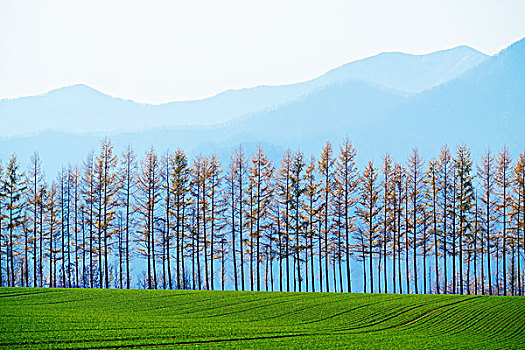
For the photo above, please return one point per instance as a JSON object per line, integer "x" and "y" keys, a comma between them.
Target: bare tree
{"x": 369, "y": 211}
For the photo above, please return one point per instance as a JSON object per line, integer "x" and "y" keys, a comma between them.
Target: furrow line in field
{"x": 419, "y": 317}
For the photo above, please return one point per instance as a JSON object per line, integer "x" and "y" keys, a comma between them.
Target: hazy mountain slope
{"x": 408, "y": 73}
{"x": 483, "y": 107}
{"x": 338, "y": 107}
{"x": 81, "y": 109}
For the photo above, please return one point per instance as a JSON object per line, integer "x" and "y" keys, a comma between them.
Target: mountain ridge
{"x": 83, "y": 109}
{"x": 482, "y": 107}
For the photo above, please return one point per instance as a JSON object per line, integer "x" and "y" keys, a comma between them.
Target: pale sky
{"x": 158, "y": 51}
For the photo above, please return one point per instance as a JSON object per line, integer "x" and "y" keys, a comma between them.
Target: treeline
{"x": 437, "y": 226}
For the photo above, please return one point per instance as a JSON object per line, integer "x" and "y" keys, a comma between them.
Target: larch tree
{"x": 297, "y": 218}
{"x": 416, "y": 184}
{"x": 486, "y": 175}
{"x": 74, "y": 180}
{"x": 519, "y": 181}
{"x": 109, "y": 187}
{"x": 35, "y": 181}
{"x": 230, "y": 203}
{"x": 284, "y": 198}
{"x": 63, "y": 181}
{"x": 432, "y": 194}
{"x": 53, "y": 229}
{"x": 2, "y": 215}
{"x": 15, "y": 187}
{"x": 445, "y": 202}
{"x": 504, "y": 182}
{"x": 198, "y": 180}
{"x": 128, "y": 173}
{"x": 239, "y": 164}
{"x": 424, "y": 239}
{"x": 180, "y": 178}
{"x": 397, "y": 198}
{"x": 260, "y": 177}
{"x": 337, "y": 236}
{"x": 42, "y": 204}
{"x": 347, "y": 176}
{"x": 311, "y": 210}
{"x": 326, "y": 172}
{"x": 369, "y": 212}
{"x": 167, "y": 223}
{"x": 388, "y": 215}
{"x": 464, "y": 201}
{"x": 42, "y": 195}
{"x": 216, "y": 212}
{"x": 89, "y": 192}
{"x": 149, "y": 194}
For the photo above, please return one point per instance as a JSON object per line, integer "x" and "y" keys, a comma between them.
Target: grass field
{"x": 94, "y": 319}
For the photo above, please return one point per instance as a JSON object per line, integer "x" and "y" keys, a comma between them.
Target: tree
{"x": 166, "y": 254}
{"x": 74, "y": 177}
{"x": 486, "y": 174}
{"x": 35, "y": 181}
{"x": 398, "y": 198}
{"x": 446, "y": 203}
{"x": 368, "y": 210}
{"x": 128, "y": 173}
{"x": 230, "y": 202}
{"x": 2, "y": 216}
{"x": 504, "y": 182}
{"x": 326, "y": 164}
{"x": 416, "y": 192}
{"x": 519, "y": 175}
{"x": 260, "y": 177}
{"x": 388, "y": 214}
{"x": 179, "y": 175}
{"x": 109, "y": 187}
{"x": 63, "y": 181}
{"x": 312, "y": 209}
{"x": 15, "y": 187}
{"x": 465, "y": 200}
{"x": 197, "y": 185}
{"x": 42, "y": 204}
{"x": 347, "y": 176}
{"x": 216, "y": 211}
{"x": 284, "y": 198}
{"x": 239, "y": 168}
{"x": 89, "y": 191}
{"x": 52, "y": 225}
{"x": 149, "y": 194}
{"x": 297, "y": 190}
{"x": 432, "y": 194}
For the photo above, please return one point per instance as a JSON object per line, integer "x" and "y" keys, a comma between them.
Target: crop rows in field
{"x": 78, "y": 318}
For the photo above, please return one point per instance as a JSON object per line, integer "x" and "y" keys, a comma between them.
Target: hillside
{"x": 89, "y": 319}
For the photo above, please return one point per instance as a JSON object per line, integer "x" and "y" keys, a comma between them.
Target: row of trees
{"x": 442, "y": 226}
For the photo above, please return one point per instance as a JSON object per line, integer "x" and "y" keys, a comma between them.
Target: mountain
{"x": 483, "y": 107}
{"x": 81, "y": 109}
{"x": 408, "y": 73}
{"x": 293, "y": 125}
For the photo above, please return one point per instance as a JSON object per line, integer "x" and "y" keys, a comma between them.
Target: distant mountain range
{"x": 81, "y": 109}
{"x": 387, "y": 103}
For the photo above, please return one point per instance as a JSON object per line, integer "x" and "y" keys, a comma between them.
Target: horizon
{"x": 175, "y": 51}
{"x": 87, "y": 85}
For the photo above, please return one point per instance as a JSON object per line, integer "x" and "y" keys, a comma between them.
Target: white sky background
{"x": 159, "y": 51}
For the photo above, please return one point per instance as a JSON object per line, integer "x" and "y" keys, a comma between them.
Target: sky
{"x": 159, "y": 51}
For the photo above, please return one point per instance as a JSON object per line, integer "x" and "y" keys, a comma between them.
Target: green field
{"x": 94, "y": 319}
